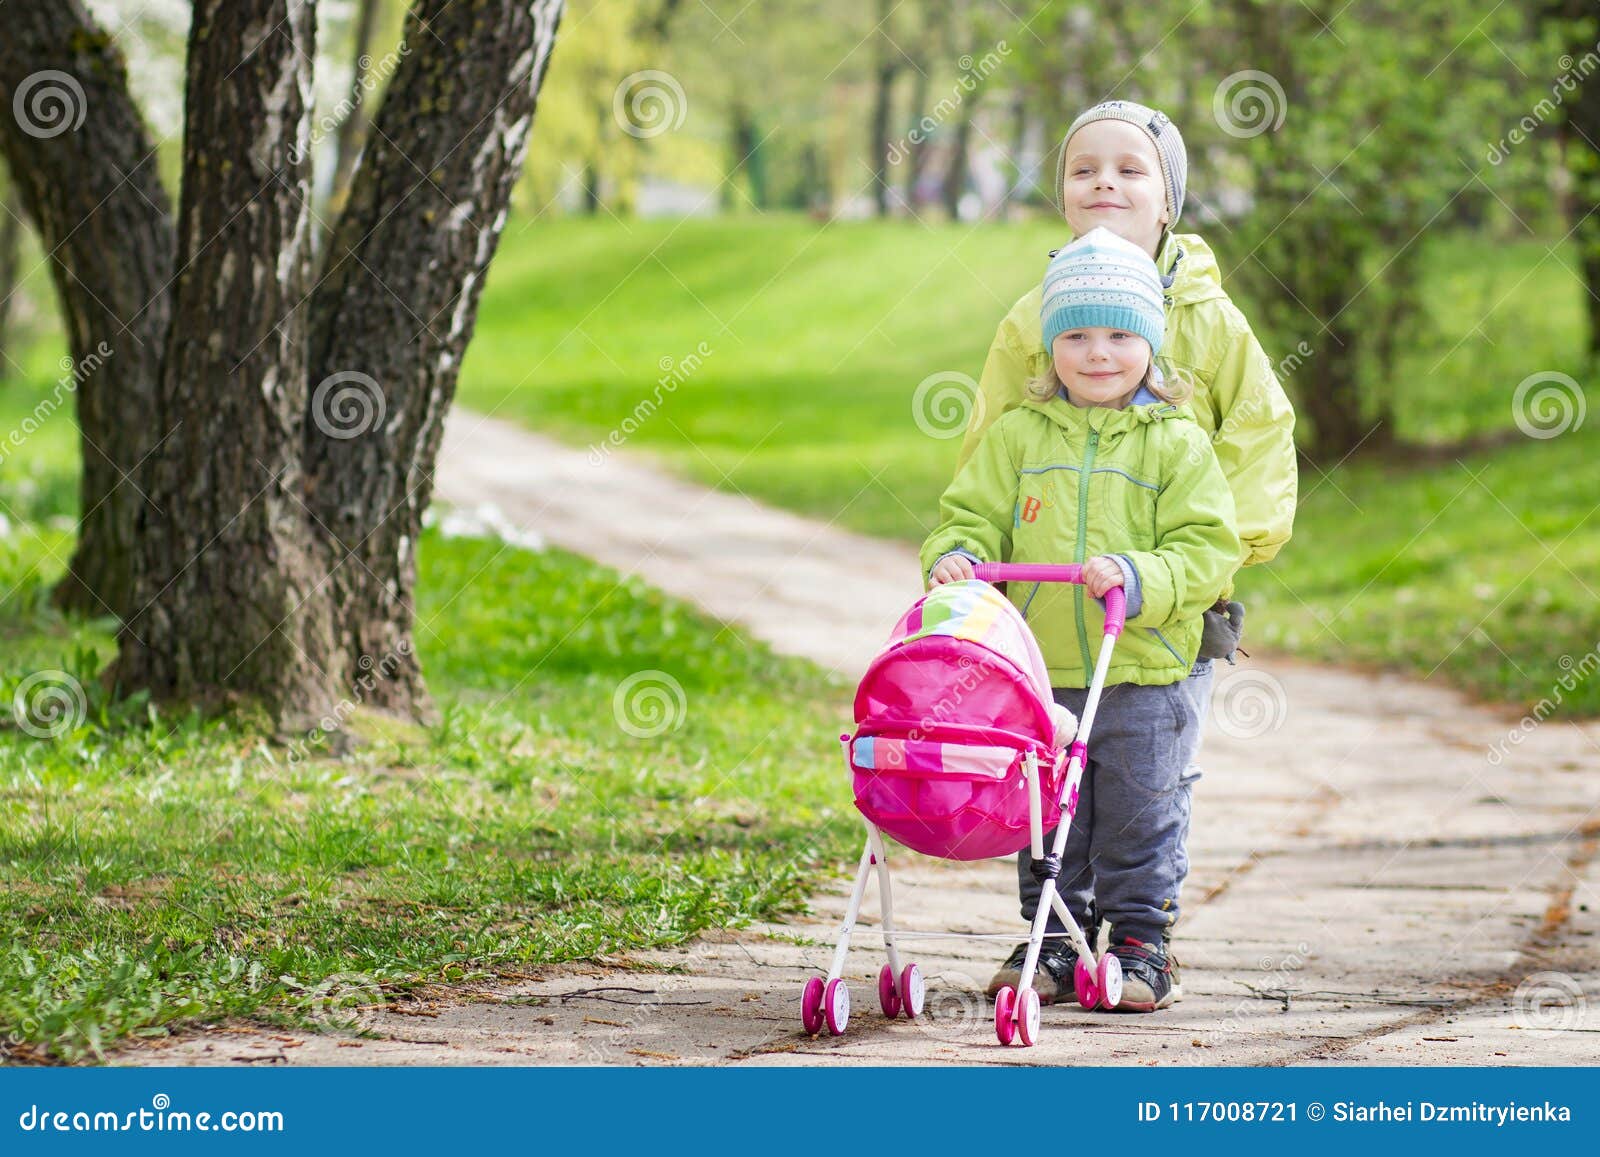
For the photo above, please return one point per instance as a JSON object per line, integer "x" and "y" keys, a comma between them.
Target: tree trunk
{"x": 352, "y": 129}
{"x": 10, "y": 271}
{"x": 1572, "y": 23}
{"x": 85, "y": 168}
{"x": 232, "y": 588}
{"x": 1019, "y": 142}
{"x": 745, "y": 156}
{"x": 955, "y": 177}
{"x": 1583, "y": 118}
{"x": 1330, "y": 391}
{"x": 274, "y": 557}
{"x": 397, "y": 305}
{"x": 884, "y": 71}
{"x": 916, "y": 141}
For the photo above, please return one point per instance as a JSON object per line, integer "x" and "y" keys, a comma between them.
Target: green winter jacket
{"x": 1237, "y": 400}
{"x": 1052, "y": 482}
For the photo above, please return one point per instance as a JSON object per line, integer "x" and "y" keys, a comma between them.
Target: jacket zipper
{"x": 1083, "y": 535}
{"x": 1166, "y": 644}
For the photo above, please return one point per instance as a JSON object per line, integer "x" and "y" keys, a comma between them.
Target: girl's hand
{"x": 953, "y": 568}
{"x": 1100, "y": 574}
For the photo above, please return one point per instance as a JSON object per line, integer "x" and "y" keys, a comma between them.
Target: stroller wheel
{"x": 912, "y": 991}
{"x": 1005, "y": 1014}
{"x": 1028, "y": 1017}
{"x": 1110, "y": 980}
{"x": 1085, "y": 985}
{"x": 887, "y": 997}
{"x": 811, "y": 1006}
{"x": 836, "y": 1006}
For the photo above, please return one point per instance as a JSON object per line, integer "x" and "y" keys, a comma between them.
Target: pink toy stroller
{"x": 960, "y": 752}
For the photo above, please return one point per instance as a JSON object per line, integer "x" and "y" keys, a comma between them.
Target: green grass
{"x": 1483, "y": 571}
{"x": 158, "y": 870}
{"x": 820, "y": 336}
{"x": 805, "y": 398}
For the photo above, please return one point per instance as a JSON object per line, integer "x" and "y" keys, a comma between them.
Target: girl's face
{"x": 1100, "y": 366}
{"x": 1113, "y": 179}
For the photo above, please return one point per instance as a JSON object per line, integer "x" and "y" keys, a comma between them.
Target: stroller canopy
{"x": 961, "y": 654}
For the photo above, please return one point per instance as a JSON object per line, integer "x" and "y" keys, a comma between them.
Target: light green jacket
{"x": 1237, "y": 399}
{"x": 1052, "y": 482}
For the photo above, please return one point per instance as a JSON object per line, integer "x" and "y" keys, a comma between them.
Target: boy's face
{"x": 1113, "y": 179}
{"x": 1100, "y": 366}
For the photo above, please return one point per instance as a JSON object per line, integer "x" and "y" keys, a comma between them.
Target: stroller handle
{"x": 1068, "y": 572}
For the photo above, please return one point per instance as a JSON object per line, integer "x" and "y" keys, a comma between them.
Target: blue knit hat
{"x": 1100, "y": 279}
{"x": 1163, "y": 134}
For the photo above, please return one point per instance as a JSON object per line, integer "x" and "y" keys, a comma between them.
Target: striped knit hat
{"x": 1100, "y": 279}
{"x": 1174, "y": 158}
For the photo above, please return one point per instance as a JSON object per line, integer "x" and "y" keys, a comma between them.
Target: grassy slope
{"x": 157, "y": 870}
{"x": 820, "y": 338}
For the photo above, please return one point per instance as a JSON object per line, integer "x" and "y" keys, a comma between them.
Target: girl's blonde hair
{"x": 1175, "y": 389}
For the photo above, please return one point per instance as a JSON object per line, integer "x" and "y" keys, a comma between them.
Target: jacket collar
{"x": 1104, "y": 420}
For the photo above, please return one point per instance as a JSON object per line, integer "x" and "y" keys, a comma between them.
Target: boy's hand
{"x": 1100, "y": 574}
{"x": 952, "y": 568}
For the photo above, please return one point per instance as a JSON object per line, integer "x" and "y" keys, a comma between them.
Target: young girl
{"x": 1100, "y": 465}
{"x": 1123, "y": 167}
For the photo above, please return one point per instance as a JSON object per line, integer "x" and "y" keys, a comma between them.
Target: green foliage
{"x": 156, "y": 869}
{"x": 159, "y": 868}
{"x": 1355, "y": 131}
{"x": 1478, "y": 569}
{"x": 807, "y": 401}
{"x": 576, "y": 138}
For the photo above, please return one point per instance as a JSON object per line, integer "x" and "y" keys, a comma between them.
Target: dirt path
{"x": 1366, "y": 886}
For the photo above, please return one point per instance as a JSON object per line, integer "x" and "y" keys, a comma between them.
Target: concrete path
{"x": 1366, "y": 887}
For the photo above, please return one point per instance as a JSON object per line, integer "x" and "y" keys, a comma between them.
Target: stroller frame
{"x": 901, "y": 989}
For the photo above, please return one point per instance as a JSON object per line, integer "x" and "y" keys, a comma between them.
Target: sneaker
{"x": 1149, "y": 976}
{"x": 1052, "y": 978}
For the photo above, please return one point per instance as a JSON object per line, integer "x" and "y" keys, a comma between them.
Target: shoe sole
{"x": 1167, "y": 1001}
{"x": 1011, "y": 980}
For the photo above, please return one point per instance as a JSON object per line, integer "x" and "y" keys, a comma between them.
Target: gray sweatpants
{"x": 1127, "y": 849}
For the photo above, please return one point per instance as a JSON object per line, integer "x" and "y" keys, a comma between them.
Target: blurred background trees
{"x": 1377, "y": 177}
{"x": 1326, "y": 139}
